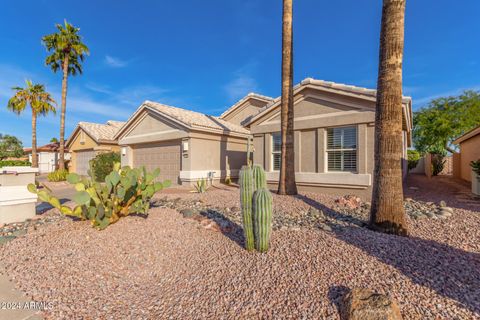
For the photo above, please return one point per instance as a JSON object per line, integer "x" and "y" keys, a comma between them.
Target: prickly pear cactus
{"x": 246, "y": 193}
{"x": 259, "y": 180}
{"x": 125, "y": 191}
{"x": 262, "y": 218}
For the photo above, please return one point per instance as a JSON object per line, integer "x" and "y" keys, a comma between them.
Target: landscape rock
{"x": 442, "y": 203}
{"x": 188, "y": 213}
{"x": 364, "y": 304}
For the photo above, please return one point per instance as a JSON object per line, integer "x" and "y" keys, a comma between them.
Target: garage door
{"x": 82, "y": 163}
{"x": 164, "y": 155}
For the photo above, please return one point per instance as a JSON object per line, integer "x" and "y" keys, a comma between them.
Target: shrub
{"x": 228, "y": 181}
{"x": 57, "y": 175}
{"x": 124, "y": 192}
{"x": 102, "y": 164}
{"x": 438, "y": 163}
{"x": 15, "y": 163}
{"x": 476, "y": 167}
{"x": 201, "y": 186}
{"x": 413, "y": 158}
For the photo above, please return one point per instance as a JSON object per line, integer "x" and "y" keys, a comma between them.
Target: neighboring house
{"x": 88, "y": 140}
{"x": 334, "y": 137}
{"x": 242, "y": 111}
{"x": 185, "y": 145}
{"x": 48, "y": 156}
{"x": 469, "y": 151}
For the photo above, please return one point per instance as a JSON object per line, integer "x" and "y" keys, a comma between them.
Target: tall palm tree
{"x": 387, "y": 212}
{"x": 41, "y": 103}
{"x": 286, "y": 183}
{"x": 67, "y": 54}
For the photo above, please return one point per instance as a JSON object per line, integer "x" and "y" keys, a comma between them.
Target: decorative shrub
{"x": 228, "y": 181}
{"x": 57, "y": 175}
{"x": 103, "y": 164}
{"x": 476, "y": 167}
{"x": 201, "y": 186}
{"x": 413, "y": 158}
{"x": 124, "y": 192}
{"x": 15, "y": 163}
{"x": 438, "y": 163}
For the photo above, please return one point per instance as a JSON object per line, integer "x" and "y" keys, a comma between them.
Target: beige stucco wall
{"x": 469, "y": 151}
{"x": 313, "y": 115}
{"x": 88, "y": 144}
{"x": 244, "y": 111}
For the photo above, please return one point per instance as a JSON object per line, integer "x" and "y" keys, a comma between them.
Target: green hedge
{"x": 58, "y": 175}
{"x": 102, "y": 165}
{"x": 15, "y": 163}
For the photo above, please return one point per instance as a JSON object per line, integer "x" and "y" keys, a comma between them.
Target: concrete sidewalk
{"x": 8, "y": 296}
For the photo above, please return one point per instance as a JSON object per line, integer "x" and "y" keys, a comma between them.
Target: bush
{"x": 103, "y": 164}
{"x": 124, "y": 191}
{"x": 57, "y": 175}
{"x": 413, "y": 158}
{"x": 476, "y": 166}
{"x": 15, "y": 163}
{"x": 438, "y": 163}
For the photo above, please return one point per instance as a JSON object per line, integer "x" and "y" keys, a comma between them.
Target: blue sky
{"x": 205, "y": 55}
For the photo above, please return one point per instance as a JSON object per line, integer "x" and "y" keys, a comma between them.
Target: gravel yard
{"x": 169, "y": 266}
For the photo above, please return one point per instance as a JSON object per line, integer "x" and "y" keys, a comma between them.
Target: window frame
{"x": 342, "y": 150}
{"x": 273, "y": 152}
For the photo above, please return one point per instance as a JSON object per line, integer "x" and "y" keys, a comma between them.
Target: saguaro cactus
{"x": 246, "y": 193}
{"x": 262, "y": 218}
{"x": 259, "y": 180}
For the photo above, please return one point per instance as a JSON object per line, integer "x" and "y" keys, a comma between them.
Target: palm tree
{"x": 68, "y": 52}
{"x": 40, "y": 102}
{"x": 286, "y": 183}
{"x": 387, "y": 212}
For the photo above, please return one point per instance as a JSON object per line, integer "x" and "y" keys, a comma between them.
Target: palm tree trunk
{"x": 286, "y": 183}
{"x": 61, "y": 164}
{"x": 387, "y": 212}
{"x": 34, "y": 140}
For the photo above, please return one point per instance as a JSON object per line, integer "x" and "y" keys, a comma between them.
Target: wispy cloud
{"x": 115, "y": 62}
{"x": 242, "y": 83}
{"x": 426, "y": 99}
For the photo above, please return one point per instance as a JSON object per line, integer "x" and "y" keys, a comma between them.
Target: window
{"x": 276, "y": 150}
{"x": 342, "y": 149}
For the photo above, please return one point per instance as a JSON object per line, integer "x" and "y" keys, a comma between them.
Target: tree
{"x": 387, "y": 211}
{"x": 40, "y": 102}
{"x": 67, "y": 54}
{"x": 10, "y": 147}
{"x": 286, "y": 183}
{"x": 54, "y": 140}
{"x": 443, "y": 120}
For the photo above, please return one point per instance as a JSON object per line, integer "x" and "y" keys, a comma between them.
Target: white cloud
{"x": 425, "y": 100}
{"x": 115, "y": 62}
{"x": 241, "y": 85}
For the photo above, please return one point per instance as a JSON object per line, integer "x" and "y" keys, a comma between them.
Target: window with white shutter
{"x": 342, "y": 149}
{"x": 276, "y": 150}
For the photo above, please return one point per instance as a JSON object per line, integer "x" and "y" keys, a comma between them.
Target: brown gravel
{"x": 166, "y": 266}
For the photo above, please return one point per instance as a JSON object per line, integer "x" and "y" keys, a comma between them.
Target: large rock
{"x": 364, "y": 304}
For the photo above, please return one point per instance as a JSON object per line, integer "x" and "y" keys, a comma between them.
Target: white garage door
{"x": 164, "y": 155}
{"x": 82, "y": 161}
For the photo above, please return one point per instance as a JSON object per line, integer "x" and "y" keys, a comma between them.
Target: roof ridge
{"x": 243, "y": 99}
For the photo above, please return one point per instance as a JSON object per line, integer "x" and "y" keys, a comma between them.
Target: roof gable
{"x": 100, "y": 133}
{"x": 241, "y": 103}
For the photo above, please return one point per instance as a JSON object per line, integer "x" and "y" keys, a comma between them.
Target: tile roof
{"x": 50, "y": 147}
{"x": 248, "y": 96}
{"x": 193, "y": 119}
{"x": 100, "y": 131}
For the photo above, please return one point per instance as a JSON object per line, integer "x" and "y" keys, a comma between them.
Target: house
{"x": 185, "y": 145}
{"x": 48, "y": 156}
{"x": 469, "y": 144}
{"x": 242, "y": 111}
{"x": 334, "y": 137}
{"x": 89, "y": 139}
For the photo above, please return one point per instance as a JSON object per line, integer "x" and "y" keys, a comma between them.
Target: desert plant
{"x": 413, "y": 158}
{"x": 103, "y": 164}
{"x": 246, "y": 193}
{"x": 15, "y": 163}
{"x": 201, "y": 186}
{"x": 228, "y": 181}
{"x": 124, "y": 192}
{"x": 259, "y": 180}
{"x": 438, "y": 163}
{"x": 262, "y": 218}
{"x": 476, "y": 167}
{"x": 57, "y": 175}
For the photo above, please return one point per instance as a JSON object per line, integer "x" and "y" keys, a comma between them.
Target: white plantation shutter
{"x": 342, "y": 149}
{"x": 276, "y": 150}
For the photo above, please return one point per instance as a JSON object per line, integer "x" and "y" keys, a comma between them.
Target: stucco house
{"x": 48, "y": 156}
{"x": 469, "y": 144}
{"x": 185, "y": 145}
{"x": 334, "y": 137}
{"x": 89, "y": 139}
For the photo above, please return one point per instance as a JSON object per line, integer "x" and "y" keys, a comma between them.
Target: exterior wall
{"x": 456, "y": 165}
{"x": 245, "y": 111}
{"x": 314, "y": 113}
{"x": 469, "y": 151}
{"x": 206, "y": 153}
